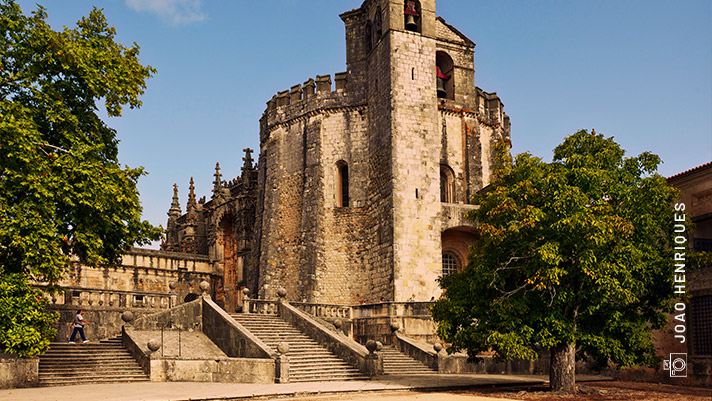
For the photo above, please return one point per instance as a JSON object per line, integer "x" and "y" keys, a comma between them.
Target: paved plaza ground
{"x": 433, "y": 387}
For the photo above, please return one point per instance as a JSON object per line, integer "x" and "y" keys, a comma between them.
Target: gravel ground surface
{"x": 592, "y": 391}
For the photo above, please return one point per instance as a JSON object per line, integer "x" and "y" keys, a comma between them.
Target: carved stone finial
{"x": 438, "y": 346}
{"x": 175, "y": 205}
{"x": 247, "y": 159}
{"x": 127, "y": 316}
{"x": 372, "y": 346}
{"x": 153, "y": 344}
{"x": 191, "y": 195}
{"x": 217, "y": 184}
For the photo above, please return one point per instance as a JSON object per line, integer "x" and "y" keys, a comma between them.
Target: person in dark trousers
{"x": 78, "y": 325}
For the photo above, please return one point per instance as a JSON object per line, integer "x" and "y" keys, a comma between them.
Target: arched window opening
{"x": 369, "y": 36}
{"x": 451, "y": 263}
{"x": 412, "y": 16}
{"x": 342, "y": 191}
{"x": 377, "y": 25}
{"x": 447, "y": 184}
{"x": 445, "y": 81}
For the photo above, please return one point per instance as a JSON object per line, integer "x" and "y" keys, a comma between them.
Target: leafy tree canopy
{"x": 62, "y": 190}
{"x": 572, "y": 255}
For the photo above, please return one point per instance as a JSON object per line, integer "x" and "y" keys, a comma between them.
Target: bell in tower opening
{"x": 411, "y": 15}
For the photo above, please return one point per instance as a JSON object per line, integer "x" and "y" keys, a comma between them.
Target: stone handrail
{"x": 417, "y": 350}
{"x": 230, "y": 336}
{"x": 349, "y": 350}
{"x": 325, "y": 311}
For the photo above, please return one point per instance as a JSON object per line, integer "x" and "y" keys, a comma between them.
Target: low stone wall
{"x": 231, "y": 370}
{"x": 232, "y": 338}
{"x": 374, "y": 321}
{"x": 105, "y": 321}
{"x": 18, "y": 372}
{"x": 187, "y": 316}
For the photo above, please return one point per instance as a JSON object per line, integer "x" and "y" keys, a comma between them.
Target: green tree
{"x": 62, "y": 190}
{"x": 573, "y": 256}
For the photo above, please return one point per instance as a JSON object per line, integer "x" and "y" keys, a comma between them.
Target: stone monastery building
{"x": 363, "y": 179}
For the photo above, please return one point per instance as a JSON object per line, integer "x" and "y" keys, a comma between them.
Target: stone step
{"x": 398, "y": 363}
{"x": 308, "y": 360}
{"x": 106, "y": 361}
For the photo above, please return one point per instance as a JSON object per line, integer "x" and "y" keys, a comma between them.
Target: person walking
{"x": 78, "y": 326}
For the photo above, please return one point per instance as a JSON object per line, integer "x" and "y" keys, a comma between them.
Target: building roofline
{"x": 690, "y": 171}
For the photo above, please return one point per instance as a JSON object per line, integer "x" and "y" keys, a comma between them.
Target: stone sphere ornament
{"x": 246, "y": 291}
{"x": 338, "y": 323}
{"x": 438, "y": 346}
{"x": 395, "y": 326}
{"x": 283, "y": 348}
{"x": 204, "y": 285}
{"x": 127, "y": 316}
{"x": 282, "y": 292}
{"x": 153, "y": 344}
{"x": 379, "y": 345}
{"x": 172, "y": 285}
{"x": 371, "y": 346}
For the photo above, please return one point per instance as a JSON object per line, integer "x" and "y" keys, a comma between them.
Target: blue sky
{"x": 637, "y": 70}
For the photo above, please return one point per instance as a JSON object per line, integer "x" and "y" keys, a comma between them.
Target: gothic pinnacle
{"x": 191, "y": 195}
{"x": 175, "y": 205}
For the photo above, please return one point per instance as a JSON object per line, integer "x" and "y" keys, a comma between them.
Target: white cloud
{"x": 176, "y": 12}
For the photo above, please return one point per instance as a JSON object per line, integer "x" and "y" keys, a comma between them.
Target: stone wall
{"x": 18, "y": 372}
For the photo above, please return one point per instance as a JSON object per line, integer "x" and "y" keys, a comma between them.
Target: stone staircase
{"x": 308, "y": 360}
{"x": 398, "y": 363}
{"x": 104, "y": 362}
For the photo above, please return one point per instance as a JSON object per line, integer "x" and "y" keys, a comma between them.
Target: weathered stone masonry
{"x": 362, "y": 180}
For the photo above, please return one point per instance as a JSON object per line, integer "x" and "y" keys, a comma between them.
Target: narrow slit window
{"x": 343, "y": 185}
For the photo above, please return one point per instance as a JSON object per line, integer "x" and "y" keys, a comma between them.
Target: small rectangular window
{"x": 138, "y": 298}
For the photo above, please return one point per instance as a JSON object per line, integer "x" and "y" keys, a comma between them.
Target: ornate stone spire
{"x": 247, "y": 159}
{"x": 217, "y": 184}
{"x": 191, "y": 195}
{"x": 175, "y": 206}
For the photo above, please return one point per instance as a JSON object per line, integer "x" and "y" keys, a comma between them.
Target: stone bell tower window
{"x": 342, "y": 188}
{"x": 412, "y": 16}
{"x": 447, "y": 184}
{"x": 445, "y": 81}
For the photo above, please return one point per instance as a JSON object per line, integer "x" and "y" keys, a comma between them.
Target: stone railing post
{"x": 246, "y": 300}
{"x": 374, "y": 362}
{"x": 282, "y": 363}
{"x": 439, "y": 356}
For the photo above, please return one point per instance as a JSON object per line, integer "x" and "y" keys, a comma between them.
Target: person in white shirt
{"x": 78, "y": 325}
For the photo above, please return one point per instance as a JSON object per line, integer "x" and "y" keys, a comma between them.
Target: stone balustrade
{"x": 325, "y": 311}
{"x": 261, "y": 306}
{"x": 96, "y": 297}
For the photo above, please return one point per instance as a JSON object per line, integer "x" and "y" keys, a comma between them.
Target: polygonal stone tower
{"x": 362, "y": 189}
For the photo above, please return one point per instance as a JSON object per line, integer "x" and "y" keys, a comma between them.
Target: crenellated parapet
{"x": 313, "y": 95}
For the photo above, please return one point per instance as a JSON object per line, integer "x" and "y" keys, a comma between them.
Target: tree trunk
{"x": 563, "y": 368}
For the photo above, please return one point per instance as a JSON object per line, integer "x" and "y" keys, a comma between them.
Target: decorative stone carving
{"x": 372, "y": 346}
{"x": 204, "y": 286}
{"x": 438, "y": 347}
{"x": 282, "y": 292}
{"x": 153, "y": 344}
{"x": 127, "y": 316}
{"x": 283, "y": 348}
{"x": 395, "y": 326}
